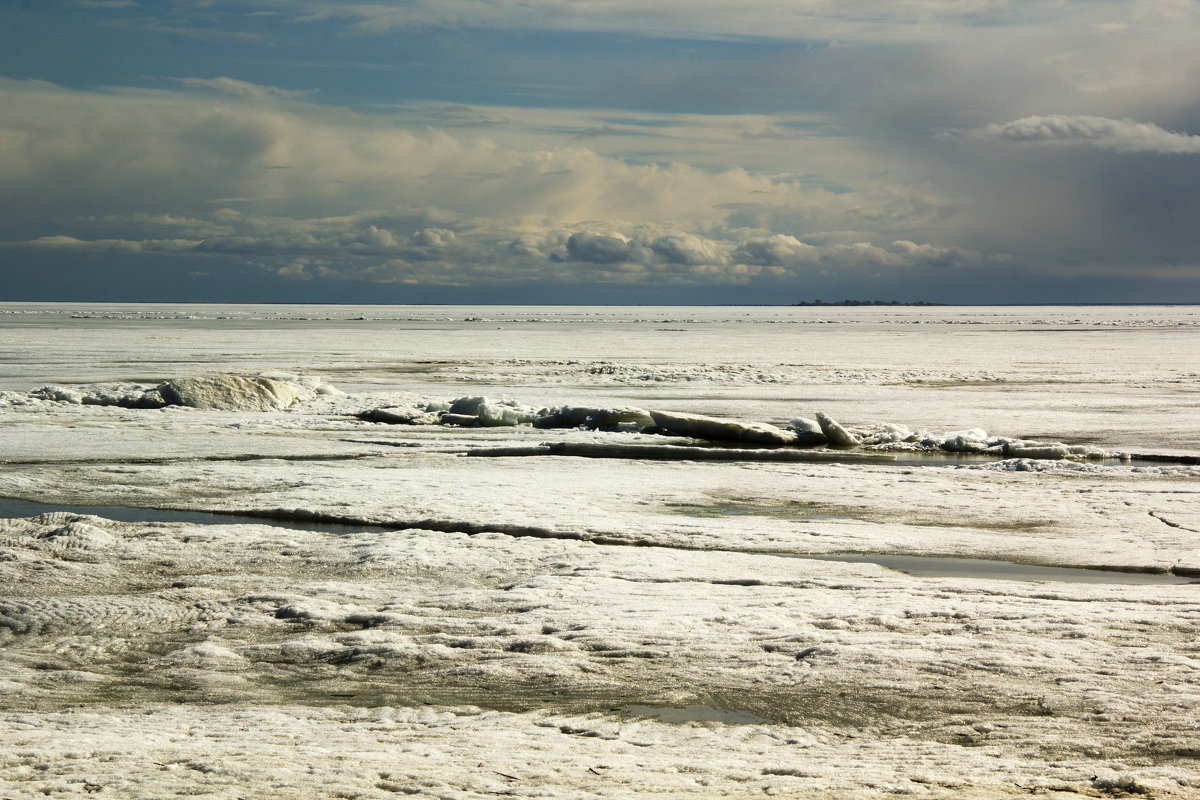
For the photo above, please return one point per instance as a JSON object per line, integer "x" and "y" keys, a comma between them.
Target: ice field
{"x": 599, "y": 552}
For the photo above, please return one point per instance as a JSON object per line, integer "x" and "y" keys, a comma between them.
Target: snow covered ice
{"x": 505, "y": 620}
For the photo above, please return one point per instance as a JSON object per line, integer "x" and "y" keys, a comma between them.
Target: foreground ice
{"x": 864, "y": 678}
{"x": 467, "y": 752}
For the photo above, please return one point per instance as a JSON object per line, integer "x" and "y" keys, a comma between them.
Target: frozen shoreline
{"x": 447, "y": 654}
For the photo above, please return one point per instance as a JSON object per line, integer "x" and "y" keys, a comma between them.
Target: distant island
{"x": 865, "y": 303}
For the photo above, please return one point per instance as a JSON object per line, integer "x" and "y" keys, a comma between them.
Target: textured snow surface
{"x": 519, "y": 623}
{"x": 307, "y": 752}
{"x": 976, "y": 685}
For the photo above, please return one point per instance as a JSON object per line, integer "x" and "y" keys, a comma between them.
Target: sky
{"x": 600, "y": 151}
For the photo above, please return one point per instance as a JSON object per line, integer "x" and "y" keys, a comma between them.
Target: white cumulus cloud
{"x": 1121, "y": 135}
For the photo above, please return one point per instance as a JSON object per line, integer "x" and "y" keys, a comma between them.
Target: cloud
{"x": 113, "y": 245}
{"x": 848, "y": 20}
{"x": 197, "y": 175}
{"x": 351, "y": 248}
{"x": 598, "y": 248}
{"x": 687, "y": 248}
{"x": 73, "y": 154}
{"x": 771, "y": 133}
{"x": 643, "y": 140}
{"x": 242, "y": 89}
{"x": 787, "y": 251}
{"x": 742, "y": 254}
{"x": 200, "y": 29}
{"x": 1120, "y": 135}
{"x": 346, "y": 238}
{"x": 777, "y": 250}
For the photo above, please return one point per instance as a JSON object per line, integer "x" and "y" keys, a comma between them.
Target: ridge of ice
{"x": 473, "y": 411}
{"x": 480, "y": 411}
{"x": 269, "y": 391}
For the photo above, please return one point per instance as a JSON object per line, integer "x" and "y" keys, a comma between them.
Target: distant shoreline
{"x": 867, "y": 303}
{"x": 801, "y": 304}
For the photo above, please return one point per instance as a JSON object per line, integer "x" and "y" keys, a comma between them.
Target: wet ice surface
{"x": 933, "y": 567}
{"x": 922, "y": 566}
{"x": 560, "y": 626}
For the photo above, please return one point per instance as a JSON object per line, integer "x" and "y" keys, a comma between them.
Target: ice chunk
{"x": 59, "y": 394}
{"x": 313, "y": 382}
{"x": 235, "y": 393}
{"x": 394, "y": 415}
{"x": 808, "y": 431}
{"x": 467, "y": 405}
{"x": 895, "y": 437}
{"x": 890, "y": 433}
{"x": 494, "y": 415}
{"x": 837, "y": 435}
{"x": 8, "y": 398}
{"x": 480, "y": 410}
{"x": 970, "y": 441}
{"x": 1014, "y": 448}
{"x": 973, "y": 434}
{"x": 124, "y": 395}
{"x": 722, "y": 429}
{"x": 574, "y": 416}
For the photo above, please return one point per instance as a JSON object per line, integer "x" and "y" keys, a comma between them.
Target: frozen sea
{"x": 341, "y": 551}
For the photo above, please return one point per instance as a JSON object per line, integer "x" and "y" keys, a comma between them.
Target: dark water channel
{"x": 917, "y": 566}
{"x": 11, "y": 507}
{"x": 948, "y": 567}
